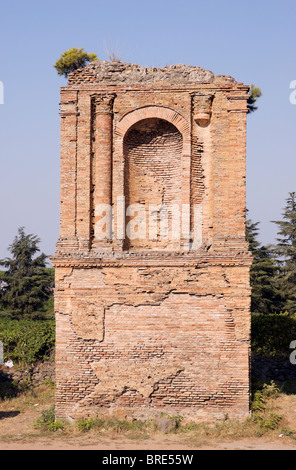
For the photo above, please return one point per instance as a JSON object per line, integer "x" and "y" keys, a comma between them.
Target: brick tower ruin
{"x": 152, "y": 293}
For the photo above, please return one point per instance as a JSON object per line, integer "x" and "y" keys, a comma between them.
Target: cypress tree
{"x": 264, "y": 298}
{"x": 286, "y": 254}
{"x": 26, "y": 283}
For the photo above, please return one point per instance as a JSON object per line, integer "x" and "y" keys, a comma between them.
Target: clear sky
{"x": 252, "y": 41}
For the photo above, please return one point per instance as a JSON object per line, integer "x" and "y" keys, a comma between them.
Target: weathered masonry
{"x": 152, "y": 292}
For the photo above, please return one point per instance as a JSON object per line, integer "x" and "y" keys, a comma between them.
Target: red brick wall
{"x": 150, "y": 325}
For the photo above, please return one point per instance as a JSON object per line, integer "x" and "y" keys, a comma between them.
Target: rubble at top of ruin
{"x": 103, "y": 71}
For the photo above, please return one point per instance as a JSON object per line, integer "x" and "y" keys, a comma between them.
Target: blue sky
{"x": 252, "y": 41}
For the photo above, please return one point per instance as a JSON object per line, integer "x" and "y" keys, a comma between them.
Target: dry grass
{"x": 18, "y": 417}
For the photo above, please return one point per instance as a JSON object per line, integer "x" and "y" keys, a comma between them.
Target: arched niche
{"x": 152, "y": 150}
{"x": 168, "y": 130}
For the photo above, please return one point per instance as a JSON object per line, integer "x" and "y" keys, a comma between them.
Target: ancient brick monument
{"x": 152, "y": 292}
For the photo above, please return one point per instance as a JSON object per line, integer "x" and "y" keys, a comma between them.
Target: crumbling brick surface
{"x": 159, "y": 321}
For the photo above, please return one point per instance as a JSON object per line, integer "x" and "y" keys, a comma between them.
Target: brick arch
{"x": 159, "y": 112}
{"x": 121, "y": 128}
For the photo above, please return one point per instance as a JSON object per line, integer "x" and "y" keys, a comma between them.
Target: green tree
{"x": 254, "y": 94}
{"x": 26, "y": 284}
{"x": 264, "y": 298}
{"x": 286, "y": 253}
{"x": 73, "y": 59}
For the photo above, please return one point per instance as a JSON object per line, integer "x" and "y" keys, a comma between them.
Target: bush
{"x": 258, "y": 402}
{"x": 73, "y": 59}
{"x": 271, "y": 390}
{"x": 47, "y": 422}
{"x": 261, "y": 393}
{"x": 85, "y": 424}
{"x": 26, "y": 342}
{"x": 272, "y": 335}
{"x": 268, "y": 423}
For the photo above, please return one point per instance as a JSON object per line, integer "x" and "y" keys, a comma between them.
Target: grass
{"x": 269, "y": 419}
{"x": 116, "y": 425}
{"x": 30, "y": 397}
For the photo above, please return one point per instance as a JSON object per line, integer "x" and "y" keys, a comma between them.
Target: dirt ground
{"x": 18, "y": 432}
{"x": 160, "y": 444}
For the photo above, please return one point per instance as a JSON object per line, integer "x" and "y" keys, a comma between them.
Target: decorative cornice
{"x": 103, "y": 103}
{"x": 165, "y": 260}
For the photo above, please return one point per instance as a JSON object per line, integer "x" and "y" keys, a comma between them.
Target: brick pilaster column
{"x": 68, "y": 191}
{"x": 102, "y": 168}
{"x": 230, "y": 171}
{"x": 237, "y": 110}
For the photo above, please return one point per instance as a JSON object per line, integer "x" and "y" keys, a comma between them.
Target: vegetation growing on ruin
{"x": 73, "y": 59}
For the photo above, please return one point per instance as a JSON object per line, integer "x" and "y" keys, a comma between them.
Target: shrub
{"x": 258, "y": 402}
{"x": 85, "y": 424}
{"x": 56, "y": 426}
{"x": 26, "y": 342}
{"x": 272, "y": 335}
{"x": 47, "y": 421}
{"x": 271, "y": 390}
{"x": 73, "y": 59}
{"x": 268, "y": 423}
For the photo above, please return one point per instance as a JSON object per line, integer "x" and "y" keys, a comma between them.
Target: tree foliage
{"x": 273, "y": 272}
{"x": 264, "y": 298}
{"x": 285, "y": 250}
{"x": 73, "y": 59}
{"x": 272, "y": 334}
{"x": 26, "y": 284}
{"x": 254, "y": 94}
{"x": 27, "y": 342}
